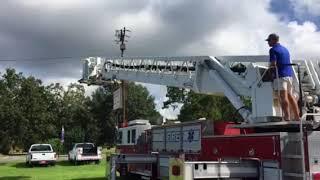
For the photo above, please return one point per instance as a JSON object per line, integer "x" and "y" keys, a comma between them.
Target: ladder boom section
{"x": 202, "y": 74}
{"x": 169, "y": 71}
{"x": 230, "y": 76}
{"x": 191, "y": 72}
{"x": 179, "y": 72}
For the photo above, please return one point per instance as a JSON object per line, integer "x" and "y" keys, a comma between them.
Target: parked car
{"x": 42, "y": 154}
{"x": 85, "y": 152}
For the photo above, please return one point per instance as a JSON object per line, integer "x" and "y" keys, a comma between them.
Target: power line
{"x": 37, "y": 59}
{"x": 54, "y": 58}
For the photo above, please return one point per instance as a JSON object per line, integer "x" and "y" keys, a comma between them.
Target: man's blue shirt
{"x": 281, "y": 55}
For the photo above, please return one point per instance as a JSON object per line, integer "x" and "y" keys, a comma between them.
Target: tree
{"x": 141, "y": 104}
{"x": 79, "y": 124}
{"x": 197, "y": 106}
{"x": 101, "y": 108}
{"x": 9, "y": 114}
{"x": 36, "y": 115}
{"x": 33, "y": 113}
{"x": 24, "y": 104}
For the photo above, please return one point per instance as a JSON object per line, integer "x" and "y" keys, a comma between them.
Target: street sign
{"x": 117, "y": 99}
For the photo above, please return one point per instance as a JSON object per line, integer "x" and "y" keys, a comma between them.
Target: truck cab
{"x": 133, "y": 138}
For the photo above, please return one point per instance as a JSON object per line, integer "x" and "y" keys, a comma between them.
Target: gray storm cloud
{"x": 81, "y": 28}
{"x": 33, "y": 29}
{"x": 77, "y": 28}
{"x": 86, "y": 28}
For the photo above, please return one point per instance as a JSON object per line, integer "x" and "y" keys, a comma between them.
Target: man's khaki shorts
{"x": 283, "y": 83}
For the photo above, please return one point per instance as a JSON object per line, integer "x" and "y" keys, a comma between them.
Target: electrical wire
{"x": 46, "y": 59}
{"x": 37, "y": 59}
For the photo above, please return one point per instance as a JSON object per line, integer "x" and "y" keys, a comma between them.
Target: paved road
{"x": 22, "y": 158}
{"x": 6, "y": 159}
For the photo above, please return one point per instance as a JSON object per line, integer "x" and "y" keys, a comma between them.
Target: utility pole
{"x": 121, "y": 35}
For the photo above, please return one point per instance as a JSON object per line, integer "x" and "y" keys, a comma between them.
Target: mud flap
{"x": 176, "y": 169}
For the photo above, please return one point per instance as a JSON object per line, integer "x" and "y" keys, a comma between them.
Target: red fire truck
{"x": 261, "y": 147}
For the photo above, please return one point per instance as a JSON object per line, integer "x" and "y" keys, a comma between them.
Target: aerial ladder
{"x": 230, "y": 76}
{"x": 236, "y": 77}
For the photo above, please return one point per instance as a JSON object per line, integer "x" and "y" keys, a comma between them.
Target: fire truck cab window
{"x": 119, "y": 139}
{"x": 133, "y": 136}
{"x": 128, "y": 136}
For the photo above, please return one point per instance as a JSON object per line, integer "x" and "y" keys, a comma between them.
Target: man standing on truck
{"x": 280, "y": 60}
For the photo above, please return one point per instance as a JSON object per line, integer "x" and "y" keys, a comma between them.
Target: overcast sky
{"x": 36, "y": 29}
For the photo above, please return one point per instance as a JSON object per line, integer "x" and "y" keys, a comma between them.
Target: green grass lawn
{"x": 62, "y": 170}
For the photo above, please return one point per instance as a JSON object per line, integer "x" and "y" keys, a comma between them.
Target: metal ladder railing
{"x": 153, "y": 65}
{"x": 303, "y": 119}
{"x": 309, "y": 75}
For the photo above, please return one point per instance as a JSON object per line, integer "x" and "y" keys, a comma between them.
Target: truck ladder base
{"x": 293, "y": 126}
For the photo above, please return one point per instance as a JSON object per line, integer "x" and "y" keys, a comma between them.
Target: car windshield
{"x": 41, "y": 148}
{"x": 84, "y": 146}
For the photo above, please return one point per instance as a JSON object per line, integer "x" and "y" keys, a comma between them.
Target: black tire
{"x": 134, "y": 176}
{"x": 97, "y": 162}
{"x": 130, "y": 176}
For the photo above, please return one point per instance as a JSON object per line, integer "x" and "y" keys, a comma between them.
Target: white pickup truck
{"x": 85, "y": 152}
{"x": 42, "y": 154}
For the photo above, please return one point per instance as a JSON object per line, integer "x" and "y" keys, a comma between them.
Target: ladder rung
{"x": 292, "y": 156}
{"x": 292, "y": 174}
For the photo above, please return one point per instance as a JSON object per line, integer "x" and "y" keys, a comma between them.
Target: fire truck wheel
{"x": 136, "y": 177}
{"x": 131, "y": 177}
